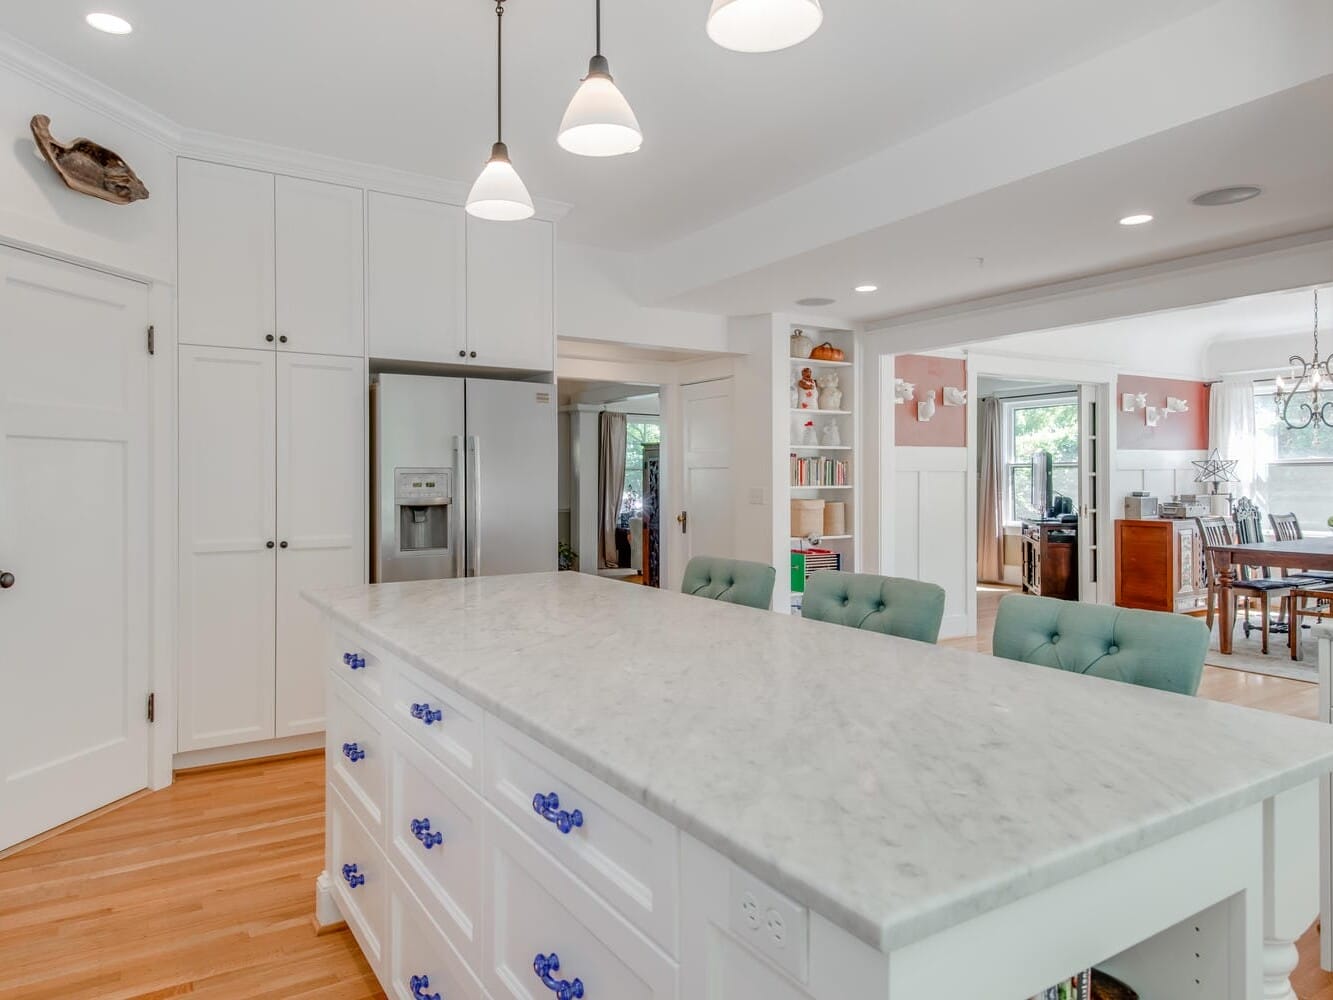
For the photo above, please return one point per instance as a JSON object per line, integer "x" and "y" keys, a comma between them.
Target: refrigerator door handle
{"x": 457, "y": 534}
{"x": 473, "y": 504}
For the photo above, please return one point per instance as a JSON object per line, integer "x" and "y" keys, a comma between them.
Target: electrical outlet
{"x": 757, "y": 498}
{"x": 769, "y": 922}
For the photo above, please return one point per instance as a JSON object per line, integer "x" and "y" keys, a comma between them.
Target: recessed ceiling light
{"x": 815, "y": 300}
{"x": 1136, "y": 220}
{"x": 1227, "y": 195}
{"x": 109, "y": 23}
{"x": 866, "y": 289}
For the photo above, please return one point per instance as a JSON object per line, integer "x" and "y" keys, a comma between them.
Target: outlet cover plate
{"x": 771, "y": 924}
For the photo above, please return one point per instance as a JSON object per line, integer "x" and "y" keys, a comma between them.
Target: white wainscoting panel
{"x": 1161, "y": 473}
{"x": 930, "y": 520}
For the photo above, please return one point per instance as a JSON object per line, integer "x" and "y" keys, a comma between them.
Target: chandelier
{"x": 1315, "y": 381}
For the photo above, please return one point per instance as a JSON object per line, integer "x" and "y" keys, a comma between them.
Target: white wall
{"x": 930, "y": 503}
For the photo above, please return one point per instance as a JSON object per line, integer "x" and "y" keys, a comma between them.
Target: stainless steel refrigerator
{"x": 463, "y": 477}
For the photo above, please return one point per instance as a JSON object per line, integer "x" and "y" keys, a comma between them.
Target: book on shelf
{"x": 1074, "y": 988}
{"x": 819, "y": 471}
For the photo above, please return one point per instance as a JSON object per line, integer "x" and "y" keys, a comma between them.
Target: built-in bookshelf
{"x": 824, "y": 467}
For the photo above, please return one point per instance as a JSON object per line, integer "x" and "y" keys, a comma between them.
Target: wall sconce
{"x": 1154, "y": 415}
{"x": 1174, "y": 405}
{"x": 954, "y": 397}
{"x": 903, "y": 390}
{"x": 926, "y": 408}
{"x": 1131, "y": 401}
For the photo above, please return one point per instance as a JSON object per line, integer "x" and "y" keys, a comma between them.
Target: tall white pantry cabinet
{"x": 272, "y": 390}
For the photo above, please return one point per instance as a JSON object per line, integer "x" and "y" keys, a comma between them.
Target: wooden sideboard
{"x": 1159, "y": 566}
{"x": 1050, "y": 559}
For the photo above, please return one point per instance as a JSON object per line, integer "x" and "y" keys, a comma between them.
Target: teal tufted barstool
{"x": 730, "y": 580}
{"x": 1150, "y": 648}
{"x": 906, "y": 608}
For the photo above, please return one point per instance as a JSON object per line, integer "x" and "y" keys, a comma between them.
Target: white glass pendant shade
{"x": 763, "y": 25}
{"x": 499, "y": 193}
{"x": 599, "y": 121}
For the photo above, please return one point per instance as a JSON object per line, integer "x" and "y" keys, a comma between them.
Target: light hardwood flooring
{"x": 206, "y": 889}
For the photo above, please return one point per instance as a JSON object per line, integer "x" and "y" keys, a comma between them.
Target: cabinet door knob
{"x": 473, "y": 354}
{"x": 352, "y": 877}
{"x": 462, "y": 354}
{"x": 548, "y": 807}
{"x": 268, "y": 337}
{"x": 282, "y": 545}
{"x": 353, "y": 752}
{"x": 563, "y": 989}
{"x": 6, "y": 580}
{"x": 268, "y": 544}
{"x": 427, "y": 714}
{"x": 282, "y": 339}
{"x": 422, "y": 831}
{"x": 419, "y": 986}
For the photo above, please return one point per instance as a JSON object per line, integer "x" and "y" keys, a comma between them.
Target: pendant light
{"x": 499, "y": 194}
{"x": 763, "y": 25}
{"x": 599, "y": 121}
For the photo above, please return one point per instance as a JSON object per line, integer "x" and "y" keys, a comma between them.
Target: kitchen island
{"x": 683, "y": 798}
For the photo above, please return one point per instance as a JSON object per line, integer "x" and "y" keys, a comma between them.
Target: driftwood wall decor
{"x": 88, "y": 168}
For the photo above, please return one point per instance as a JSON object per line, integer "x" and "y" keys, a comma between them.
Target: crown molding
{"x": 82, "y": 89}
{"x": 97, "y": 97}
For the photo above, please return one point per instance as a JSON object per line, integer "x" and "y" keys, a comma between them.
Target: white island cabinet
{"x": 553, "y": 786}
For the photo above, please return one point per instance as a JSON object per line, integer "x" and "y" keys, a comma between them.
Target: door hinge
{"x": 152, "y": 707}
{"x": 152, "y": 340}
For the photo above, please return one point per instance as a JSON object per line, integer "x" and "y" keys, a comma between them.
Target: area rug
{"x": 1247, "y": 655}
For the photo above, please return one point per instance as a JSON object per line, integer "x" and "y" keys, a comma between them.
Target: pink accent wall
{"x": 1177, "y": 432}
{"x": 948, "y": 428}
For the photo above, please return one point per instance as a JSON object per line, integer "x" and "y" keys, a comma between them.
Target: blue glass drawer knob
{"x": 548, "y": 807}
{"x": 353, "y": 752}
{"x": 352, "y": 877}
{"x": 354, "y": 661}
{"x": 421, "y": 830}
{"x": 420, "y": 984}
{"x": 426, "y": 714}
{"x": 564, "y": 989}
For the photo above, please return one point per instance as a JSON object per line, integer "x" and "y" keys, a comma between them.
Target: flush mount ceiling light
{"x": 1136, "y": 220}
{"x": 866, "y": 289}
{"x": 599, "y": 121}
{"x": 815, "y": 300}
{"x": 1227, "y": 195}
{"x": 763, "y": 25}
{"x": 499, "y": 193}
{"x": 109, "y": 23}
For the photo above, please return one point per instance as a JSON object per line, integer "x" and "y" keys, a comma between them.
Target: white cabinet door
{"x": 708, "y": 490}
{"x": 321, "y": 456}
{"x": 510, "y": 294}
{"x": 75, "y": 515}
{"x": 226, "y": 266}
{"x": 320, "y": 268}
{"x": 417, "y": 254}
{"x": 227, "y": 522}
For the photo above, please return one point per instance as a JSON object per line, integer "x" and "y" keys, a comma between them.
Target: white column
{"x": 1291, "y": 888}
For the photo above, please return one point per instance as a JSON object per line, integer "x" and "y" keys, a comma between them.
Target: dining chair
{"x": 909, "y": 609}
{"x": 1287, "y": 528}
{"x": 1148, "y": 648}
{"x": 732, "y": 581}
{"x": 1311, "y": 601}
{"x": 1219, "y": 532}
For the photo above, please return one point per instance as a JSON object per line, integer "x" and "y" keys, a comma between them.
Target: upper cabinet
{"x": 320, "y": 268}
{"x": 418, "y": 257}
{"x": 269, "y": 262}
{"x": 511, "y": 294}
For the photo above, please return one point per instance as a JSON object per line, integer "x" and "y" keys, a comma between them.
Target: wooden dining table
{"x": 1294, "y": 555}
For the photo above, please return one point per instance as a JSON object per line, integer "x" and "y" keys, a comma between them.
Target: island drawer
{"x": 443, "y": 722}
{"x": 621, "y": 850}
{"x": 421, "y": 961}
{"x": 361, "y": 667}
{"x": 539, "y": 911}
{"x": 435, "y": 840}
{"x": 357, "y": 752}
{"x": 359, "y": 876}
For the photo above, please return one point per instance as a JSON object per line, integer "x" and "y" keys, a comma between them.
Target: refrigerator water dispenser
{"x": 424, "y": 499}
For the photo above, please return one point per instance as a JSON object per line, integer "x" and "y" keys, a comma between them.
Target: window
{"x": 1294, "y": 468}
{"x": 1030, "y": 425}
{"x": 638, "y": 432}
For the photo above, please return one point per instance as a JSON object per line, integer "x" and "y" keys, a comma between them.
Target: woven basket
{"x": 807, "y": 518}
{"x": 835, "y": 518}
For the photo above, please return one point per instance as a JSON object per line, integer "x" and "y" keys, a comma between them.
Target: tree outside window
{"x": 637, "y": 434}
{"x": 1050, "y": 425}
{"x": 1295, "y": 467}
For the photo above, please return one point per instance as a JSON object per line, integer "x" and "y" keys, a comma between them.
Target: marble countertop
{"x": 896, "y": 788}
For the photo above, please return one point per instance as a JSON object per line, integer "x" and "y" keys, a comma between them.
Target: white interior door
{"x": 320, "y": 268}
{"x": 227, "y": 547}
{"x": 1089, "y": 489}
{"x": 321, "y": 411}
{"x": 707, "y": 495}
{"x": 75, "y": 516}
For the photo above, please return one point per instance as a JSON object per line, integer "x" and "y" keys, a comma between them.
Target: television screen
{"x": 1043, "y": 493}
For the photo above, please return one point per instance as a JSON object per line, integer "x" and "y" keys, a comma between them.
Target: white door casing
{"x": 227, "y": 568}
{"x": 1090, "y": 477}
{"x": 75, "y": 523}
{"x": 707, "y": 494}
{"x": 321, "y": 519}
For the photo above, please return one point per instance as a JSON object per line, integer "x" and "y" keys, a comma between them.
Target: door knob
{"x": 6, "y": 580}
{"x": 683, "y": 519}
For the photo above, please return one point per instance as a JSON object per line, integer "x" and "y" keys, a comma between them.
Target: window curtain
{"x": 1231, "y": 431}
{"x": 610, "y": 485}
{"x": 990, "y": 495}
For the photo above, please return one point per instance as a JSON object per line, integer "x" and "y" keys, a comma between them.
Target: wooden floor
{"x": 206, "y": 889}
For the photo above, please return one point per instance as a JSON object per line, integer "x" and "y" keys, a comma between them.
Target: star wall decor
{"x": 1216, "y": 469}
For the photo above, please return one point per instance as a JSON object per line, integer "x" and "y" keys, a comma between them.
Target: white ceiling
{"x": 409, "y": 84}
{"x": 1062, "y": 223}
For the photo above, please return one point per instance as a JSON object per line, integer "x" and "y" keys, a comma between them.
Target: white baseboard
{"x": 247, "y": 751}
{"x": 327, "y": 914}
{"x": 956, "y": 627}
